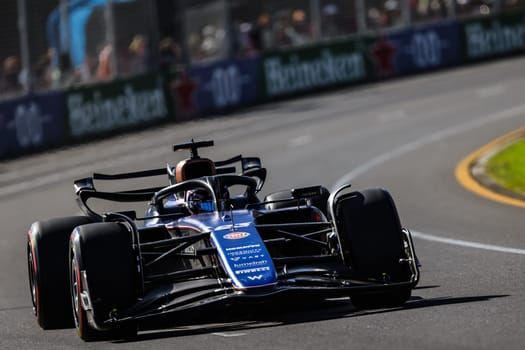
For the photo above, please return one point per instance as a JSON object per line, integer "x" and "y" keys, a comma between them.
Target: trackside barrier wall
{"x": 109, "y": 108}
{"x": 493, "y": 37}
{"x": 416, "y": 49}
{"x": 41, "y": 121}
{"x": 300, "y": 70}
{"x": 218, "y": 86}
{"x": 365, "y": 58}
{"x": 31, "y": 123}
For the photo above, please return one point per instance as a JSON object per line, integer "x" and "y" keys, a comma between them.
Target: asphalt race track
{"x": 405, "y": 135}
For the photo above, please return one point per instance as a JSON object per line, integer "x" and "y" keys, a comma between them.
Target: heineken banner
{"x": 31, "y": 123}
{"x": 220, "y": 85}
{"x": 493, "y": 36}
{"x": 416, "y": 49}
{"x": 313, "y": 67}
{"x": 118, "y": 105}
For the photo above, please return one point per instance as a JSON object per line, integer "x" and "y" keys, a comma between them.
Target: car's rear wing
{"x": 250, "y": 166}
{"x": 88, "y": 182}
{"x": 85, "y": 188}
{"x": 131, "y": 175}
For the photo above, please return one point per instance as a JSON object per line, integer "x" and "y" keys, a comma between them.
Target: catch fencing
{"x": 68, "y": 98}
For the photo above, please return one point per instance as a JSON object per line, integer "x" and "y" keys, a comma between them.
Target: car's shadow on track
{"x": 277, "y": 315}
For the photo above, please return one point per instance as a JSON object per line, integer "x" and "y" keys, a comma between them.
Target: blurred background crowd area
{"x": 52, "y": 44}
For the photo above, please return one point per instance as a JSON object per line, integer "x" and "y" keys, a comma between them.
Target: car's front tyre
{"x": 374, "y": 247}
{"x": 103, "y": 279}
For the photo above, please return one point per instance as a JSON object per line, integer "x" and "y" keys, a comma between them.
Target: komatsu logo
{"x": 236, "y": 235}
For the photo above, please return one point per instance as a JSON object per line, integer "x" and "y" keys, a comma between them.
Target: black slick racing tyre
{"x": 373, "y": 246}
{"x": 103, "y": 280}
{"x": 48, "y": 270}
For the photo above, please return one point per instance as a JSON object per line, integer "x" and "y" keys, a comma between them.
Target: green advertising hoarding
{"x": 488, "y": 37}
{"x": 114, "y": 106}
{"x": 313, "y": 67}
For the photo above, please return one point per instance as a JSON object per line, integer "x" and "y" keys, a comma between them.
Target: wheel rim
{"x": 32, "y": 276}
{"x": 75, "y": 295}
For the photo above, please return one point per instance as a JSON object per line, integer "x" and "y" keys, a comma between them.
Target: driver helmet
{"x": 200, "y": 200}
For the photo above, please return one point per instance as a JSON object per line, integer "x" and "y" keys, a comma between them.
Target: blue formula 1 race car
{"x": 207, "y": 242}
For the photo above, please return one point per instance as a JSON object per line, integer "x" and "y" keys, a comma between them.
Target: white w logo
{"x": 253, "y": 278}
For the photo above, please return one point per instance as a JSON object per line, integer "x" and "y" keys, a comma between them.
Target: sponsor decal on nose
{"x": 236, "y": 235}
{"x": 257, "y": 277}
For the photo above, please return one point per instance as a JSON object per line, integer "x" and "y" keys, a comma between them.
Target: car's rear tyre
{"x": 103, "y": 270}
{"x": 48, "y": 270}
{"x": 372, "y": 245}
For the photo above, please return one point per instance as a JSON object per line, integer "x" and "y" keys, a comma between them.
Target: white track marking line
{"x": 393, "y": 116}
{"x": 300, "y": 141}
{"x": 440, "y": 135}
{"x": 491, "y": 91}
{"x": 229, "y": 335}
{"x": 467, "y": 244}
{"x": 423, "y": 141}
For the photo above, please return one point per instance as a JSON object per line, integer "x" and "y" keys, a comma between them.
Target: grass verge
{"x": 507, "y": 167}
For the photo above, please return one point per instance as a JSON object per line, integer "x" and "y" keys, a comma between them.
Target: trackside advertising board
{"x": 221, "y": 85}
{"x": 40, "y": 121}
{"x": 310, "y": 68}
{"x": 115, "y": 106}
{"x": 493, "y": 36}
{"x": 414, "y": 50}
{"x": 31, "y": 123}
{"x": 358, "y": 59}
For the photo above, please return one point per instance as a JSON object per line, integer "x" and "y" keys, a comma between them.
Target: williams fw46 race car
{"x": 207, "y": 243}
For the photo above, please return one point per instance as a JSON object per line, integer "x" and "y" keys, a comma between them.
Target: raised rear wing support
{"x": 193, "y": 147}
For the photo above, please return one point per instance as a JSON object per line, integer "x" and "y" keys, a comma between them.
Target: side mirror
{"x": 251, "y": 163}
{"x": 259, "y": 174}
